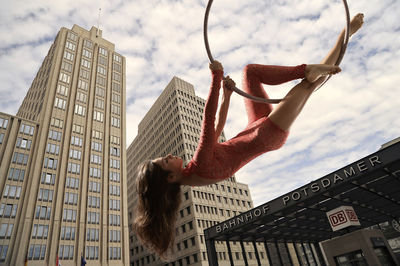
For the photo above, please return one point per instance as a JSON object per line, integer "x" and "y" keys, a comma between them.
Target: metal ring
{"x": 263, "y": 100}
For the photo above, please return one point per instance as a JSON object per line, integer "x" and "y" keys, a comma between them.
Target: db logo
{"x": 342, "y": 217}
{"x": 338, "y": 218}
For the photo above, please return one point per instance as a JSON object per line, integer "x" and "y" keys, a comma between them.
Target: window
{"x": 115, "y": 176}
{"x": 100, "y": 91}
{"x": 101, "y": 70}
{"x": 80, "y": 110}
{"x": 74, "y": 168}
{"x": 13, "y": 192}
{"x": 100, "y": 80}
{"x": 97, "y": 134}
{"x": 66, "y": 252}
{"x": 92, "y": 234}
{"x": 72, "y": 182}
{"x": 6, "y": 230}
{"x": 70, "y": 198}
{"x": 3, "y": 122}
{"x": 97, "y": 146}
{"x": 116, "y": 87}
{"x": 96, "y": 159}
{"x": 102, "y": 51}
{"x": 50, "y": 163}
{"x": 83, "y": 85}
{"x": 52, "y": 148}
{"x": 85, "y": 63}
{"x": 48, "y": 178}
{"x": 55, "y": 135}
{"x": 117, "y": 58}
{"x": 60, "y": 103}
{"x": 66, "y": 66}
{"x": 116, "y": 98}
{"x": 84, "y": 74}
{"x": 75, "y": 154}
{"x": 81, "y": 97}
{"x": 69, "y": 215}
{"x": 45, "y": 195}
{"x": 68, "y": 55}
{"x": 24, "y": 143}
{"x": 94, "y": 202}
{"x": 93, "y": 217}
{"x": 77, "y": 129}
{"x": 95, "y": 172}
{"x": 87, "y": 44}
{"x": 115, "y": 109}
{"x": 1, "y": 138}
{"x": 55, "y": 122}
{"x": 43, "y": 212}
{"x": 92, "y": 252}
{"x": 67, "y": 233}
{"x": 98, "y": 116}
{"x": 115, "y": 253}
{"x": 20, "y": 158}
{"x": 40, "y": 231}
{"x": 26, "y": 129}
{"x": 16, "y": 174}
{"x": 37, "y": 252}
{"x": 94, "y": 186}
{"x": 87, "y": 53}
{"x": 99, "y": 103}
{"x": 76, "y": 141}
{"x": 117, "y": 76}
{"x": 102, "y": 61}
{"x": 72, "y": 36}
{"x": 114, "y": 163}
{"x": 115, "y": 122}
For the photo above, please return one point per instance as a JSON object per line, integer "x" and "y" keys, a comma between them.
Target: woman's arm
{"x": 223, "y": 111}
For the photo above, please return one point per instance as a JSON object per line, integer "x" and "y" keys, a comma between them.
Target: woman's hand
{"x": 228, "y": 85}
{"x": 215, "y": 66}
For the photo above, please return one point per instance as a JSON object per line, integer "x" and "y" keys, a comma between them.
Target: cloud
{"x": 348, "y": 118}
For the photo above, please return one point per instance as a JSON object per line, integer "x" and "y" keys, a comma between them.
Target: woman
{"x": 158, "y": 181}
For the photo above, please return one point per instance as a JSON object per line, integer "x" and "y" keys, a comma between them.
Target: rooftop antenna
{"x": 98, "y": 24}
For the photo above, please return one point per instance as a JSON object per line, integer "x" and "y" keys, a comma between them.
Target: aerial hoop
{"x": 263, "y": 100}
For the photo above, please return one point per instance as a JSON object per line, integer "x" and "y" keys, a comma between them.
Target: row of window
{"x": 12, "y": 192}
{"x": 40, "y": 231}
{"x": 16, "y": 174}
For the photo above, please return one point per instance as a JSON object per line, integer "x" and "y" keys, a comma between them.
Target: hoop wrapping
{"x": 274, "y": 101}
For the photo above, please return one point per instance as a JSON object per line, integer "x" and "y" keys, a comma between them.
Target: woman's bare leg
{"x": 290, "y": 107}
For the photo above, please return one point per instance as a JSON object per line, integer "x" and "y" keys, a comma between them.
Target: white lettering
{"x": 352, "y": 172}
{"x": 336, "y": 177}
{"x": 374, "y": 160}
{"x": 327, "y": 183}
{"x": 361, "y": 166}
{"x": 232, "y": 222}
{"x": 265, "y": 208}
{"x": 314, "y": 187}
{"x": 249, "y": 215}
{"x": 296, "y": 195}
{"x": 305, "y": 191}
{"x": 218, "y": 229}
{"x": 257, "y": 212}
{"x": 285, "y": 199}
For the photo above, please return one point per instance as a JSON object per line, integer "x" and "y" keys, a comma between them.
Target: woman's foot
{"x": 314, "y": 72}
{"x": 356, "y": 23}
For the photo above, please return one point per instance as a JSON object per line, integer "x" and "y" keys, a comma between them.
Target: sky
{"x": 350, "y": 117}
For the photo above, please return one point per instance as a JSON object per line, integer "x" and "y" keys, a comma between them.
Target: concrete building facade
{"x": 173, "y": 125}
{"x": 62, "y": 159}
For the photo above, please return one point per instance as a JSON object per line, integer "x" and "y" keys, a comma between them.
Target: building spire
{"x": 98, "y": 24}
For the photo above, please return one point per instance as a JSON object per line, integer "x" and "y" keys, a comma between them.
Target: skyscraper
{"x": 62, "y": 168}
{"x": 172, "y": 125}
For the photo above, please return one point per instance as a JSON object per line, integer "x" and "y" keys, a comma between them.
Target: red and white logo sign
{"x": 342, "y": 217}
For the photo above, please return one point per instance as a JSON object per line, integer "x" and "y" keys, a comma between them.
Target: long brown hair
{"x": 156, "y": 208}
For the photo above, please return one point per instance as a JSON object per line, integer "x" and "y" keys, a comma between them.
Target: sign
{"x": 342, "y": 217}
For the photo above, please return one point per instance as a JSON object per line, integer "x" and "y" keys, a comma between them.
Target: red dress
{"x": 220, "y": 161}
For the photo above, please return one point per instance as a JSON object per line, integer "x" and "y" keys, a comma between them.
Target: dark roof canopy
{"x": 370, "y": 185}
